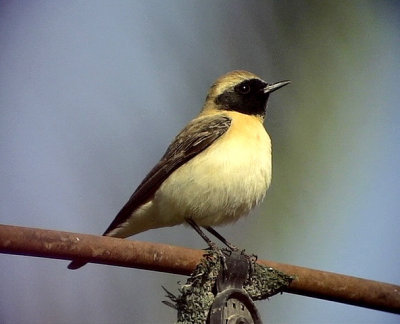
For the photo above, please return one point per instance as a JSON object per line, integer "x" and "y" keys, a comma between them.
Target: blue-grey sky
{"x": 91, "y": 93}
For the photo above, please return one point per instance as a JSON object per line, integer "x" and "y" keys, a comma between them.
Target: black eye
{"x": 243, "y": 88}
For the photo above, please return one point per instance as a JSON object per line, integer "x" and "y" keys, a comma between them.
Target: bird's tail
{"x": 76, "y": 264}
{"x": 118, "y": 231}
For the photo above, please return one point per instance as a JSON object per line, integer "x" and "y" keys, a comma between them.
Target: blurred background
{"x": 91, "y": 94}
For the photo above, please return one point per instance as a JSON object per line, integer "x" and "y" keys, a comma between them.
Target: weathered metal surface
{"x": 179, "y": 260}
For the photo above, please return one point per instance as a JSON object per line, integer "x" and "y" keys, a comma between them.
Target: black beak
{"x": 269, "y": 88}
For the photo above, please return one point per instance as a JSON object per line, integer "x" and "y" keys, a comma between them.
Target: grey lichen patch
{"x": 197, "y": 294}
{"x": 265, "y": 282}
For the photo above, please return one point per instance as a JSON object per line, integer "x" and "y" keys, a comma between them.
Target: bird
{"x": 216, "y": 170}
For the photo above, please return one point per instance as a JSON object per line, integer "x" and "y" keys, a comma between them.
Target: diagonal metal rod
{"x": 179, "y": 260}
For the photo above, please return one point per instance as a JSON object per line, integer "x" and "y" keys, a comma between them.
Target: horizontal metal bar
{"x": 179, "y": 260}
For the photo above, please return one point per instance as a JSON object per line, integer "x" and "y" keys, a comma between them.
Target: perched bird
{"x": 214, "y": 171}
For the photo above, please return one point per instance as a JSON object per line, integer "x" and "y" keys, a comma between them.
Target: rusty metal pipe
{"x": 179, "y": 260}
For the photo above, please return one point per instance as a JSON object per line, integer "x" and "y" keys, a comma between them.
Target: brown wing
{"x": 199, "y": 134}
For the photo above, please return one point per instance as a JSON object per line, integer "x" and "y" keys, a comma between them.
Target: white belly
{"x": 221, "y": 184}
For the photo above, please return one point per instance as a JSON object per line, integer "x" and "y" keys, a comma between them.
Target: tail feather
{"x": 121, "y": 231}
{"x": 76, "y": 264}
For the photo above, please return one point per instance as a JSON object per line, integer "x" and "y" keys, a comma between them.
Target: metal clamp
{"x": 232, "y": 304}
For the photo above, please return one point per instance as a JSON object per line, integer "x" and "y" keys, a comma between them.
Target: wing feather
{"x": 199, "y": 134}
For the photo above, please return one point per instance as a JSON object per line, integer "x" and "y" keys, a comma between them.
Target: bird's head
{"x": 241, "y": 91}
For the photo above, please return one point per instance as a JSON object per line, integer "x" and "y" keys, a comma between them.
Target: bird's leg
{"x": 196, "y": 227}
{"x": 210, "y": 243}
{"x": 221, "y": 238}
